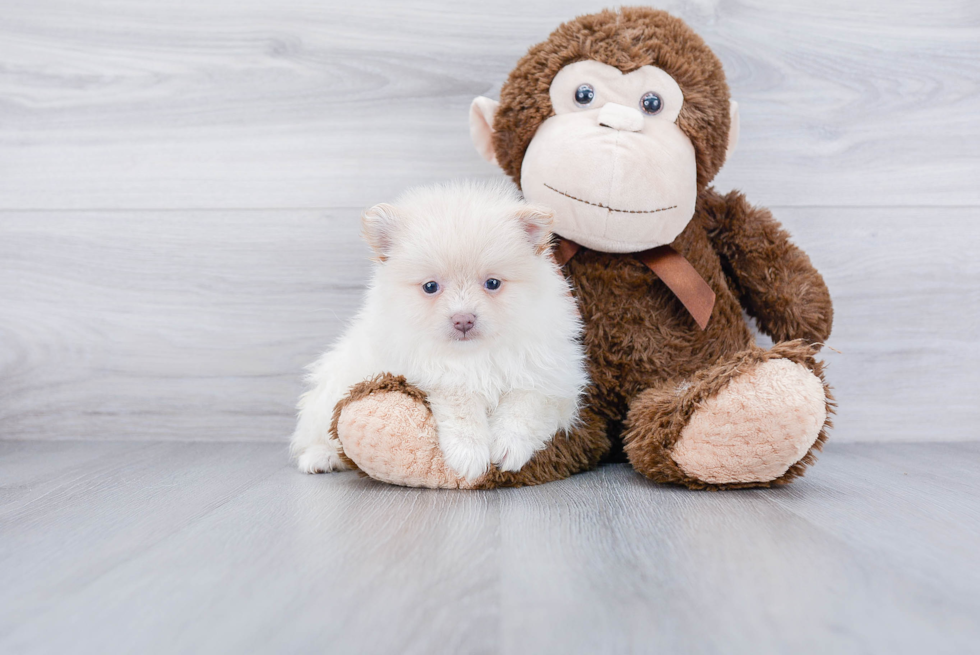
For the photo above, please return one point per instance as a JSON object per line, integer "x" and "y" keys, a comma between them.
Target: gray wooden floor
{"x": 164, "y": 547}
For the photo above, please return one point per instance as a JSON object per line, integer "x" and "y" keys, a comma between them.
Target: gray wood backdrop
{"x": 180, "y": 186}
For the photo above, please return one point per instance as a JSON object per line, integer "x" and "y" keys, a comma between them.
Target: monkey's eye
{"x": 584, "y": 95}
{"x": 651, "y": 103}
{"x": 492, "y": 284}
{"x": 430, "y": 287}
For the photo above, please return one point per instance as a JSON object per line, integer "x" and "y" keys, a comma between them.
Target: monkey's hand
{"x": 774, "y": 279}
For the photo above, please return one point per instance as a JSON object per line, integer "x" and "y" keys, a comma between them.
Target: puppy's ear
{"x": 537, "y": 222}
{"x": 378, "y": 227}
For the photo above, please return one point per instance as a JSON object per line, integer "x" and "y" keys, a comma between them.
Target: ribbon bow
{"x": 671, "y": 267}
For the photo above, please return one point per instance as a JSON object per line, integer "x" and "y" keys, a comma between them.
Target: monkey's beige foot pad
{"x": 392, "y": 437}
{"x": 755, "y": 428}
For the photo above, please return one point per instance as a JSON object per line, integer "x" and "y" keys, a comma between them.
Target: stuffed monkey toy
{"x": 618, "y": 122}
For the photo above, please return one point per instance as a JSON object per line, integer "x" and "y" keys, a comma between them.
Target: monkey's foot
{"x": 753, "y": 420}
{"x": 388, "y": 432}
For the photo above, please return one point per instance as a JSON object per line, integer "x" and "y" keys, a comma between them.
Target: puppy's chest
{"x": 484, "y": 380}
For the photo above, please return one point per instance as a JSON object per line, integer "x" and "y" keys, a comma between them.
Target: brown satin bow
{"x": 671, "y": 267}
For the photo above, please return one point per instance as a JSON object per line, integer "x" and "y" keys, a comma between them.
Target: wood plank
{"x": 169, "y": 325}
{"x": 224, "y": 548}
{"x": 242, "y": 104}
{"x": 133, "y": 495}
{"x": 906, "y": 291}
{"x": 648, "y": 568}
{"x": 334, "y": 562}
{"x": 926, "y": 477}
{"x": 196, "y": 325}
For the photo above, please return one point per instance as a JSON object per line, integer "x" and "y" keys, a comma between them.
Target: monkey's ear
{"x": 481, "y": 126}
{"x": 732, "y": 130}
{"x": 377, "y": 227}
{"x": 537, "y": 222}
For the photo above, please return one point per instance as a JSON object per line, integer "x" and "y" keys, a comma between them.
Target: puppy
{"x": 467, "y": 303}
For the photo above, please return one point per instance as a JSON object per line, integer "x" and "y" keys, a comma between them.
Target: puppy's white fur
{"x": 499, "y": 391}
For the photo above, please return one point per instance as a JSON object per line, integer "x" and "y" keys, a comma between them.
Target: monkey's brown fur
{"x": 650, "y": 364}
{"x": 640, "y": 340}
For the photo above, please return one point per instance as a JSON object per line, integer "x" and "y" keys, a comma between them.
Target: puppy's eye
{"x": 430, "y": 287}
{"x": 492, "y": 284}
{"x": 584, "y": 95}
{"x": 651, "y": 103}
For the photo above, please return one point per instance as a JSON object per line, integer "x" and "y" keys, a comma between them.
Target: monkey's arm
{"x": 775, "y": 280}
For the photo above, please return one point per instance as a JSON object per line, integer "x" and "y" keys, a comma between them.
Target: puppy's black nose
{"x": 463, "y": 322}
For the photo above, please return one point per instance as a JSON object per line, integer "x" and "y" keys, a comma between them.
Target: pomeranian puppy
{"x": 467, "y": 303}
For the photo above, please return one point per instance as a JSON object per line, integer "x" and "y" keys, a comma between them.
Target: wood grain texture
{"x": 239, "y": 103}
{"x": 205, "y": 163}
{"x": 196, "y": 325}
{"x": 215, "y": 548}
{"x": 169, "y": 324}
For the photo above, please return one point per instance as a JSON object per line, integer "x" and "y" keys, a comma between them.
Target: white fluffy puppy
{"x": 467, "y": 304}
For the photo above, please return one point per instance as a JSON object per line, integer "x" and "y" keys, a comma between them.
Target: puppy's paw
{"x": 321, "y": 458}
{"x": 511, "y": 450}
{"x": 468, "y": 456}
{"x": 517, "y": 435}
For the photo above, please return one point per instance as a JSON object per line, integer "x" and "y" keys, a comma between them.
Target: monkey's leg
{"x": 387, "y": 431}
{"x": 753, "y": 420}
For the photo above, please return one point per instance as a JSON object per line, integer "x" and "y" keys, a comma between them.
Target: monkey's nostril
{"x": 464, "y": 322}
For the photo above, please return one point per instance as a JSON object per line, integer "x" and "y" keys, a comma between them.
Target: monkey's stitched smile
{"x": 598, "y": 204}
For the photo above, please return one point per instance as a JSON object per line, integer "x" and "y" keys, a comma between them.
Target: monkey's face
{"x": 612, "y": 162}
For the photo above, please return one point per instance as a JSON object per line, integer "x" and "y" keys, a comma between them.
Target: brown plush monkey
{"x": 619, "y": 121}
